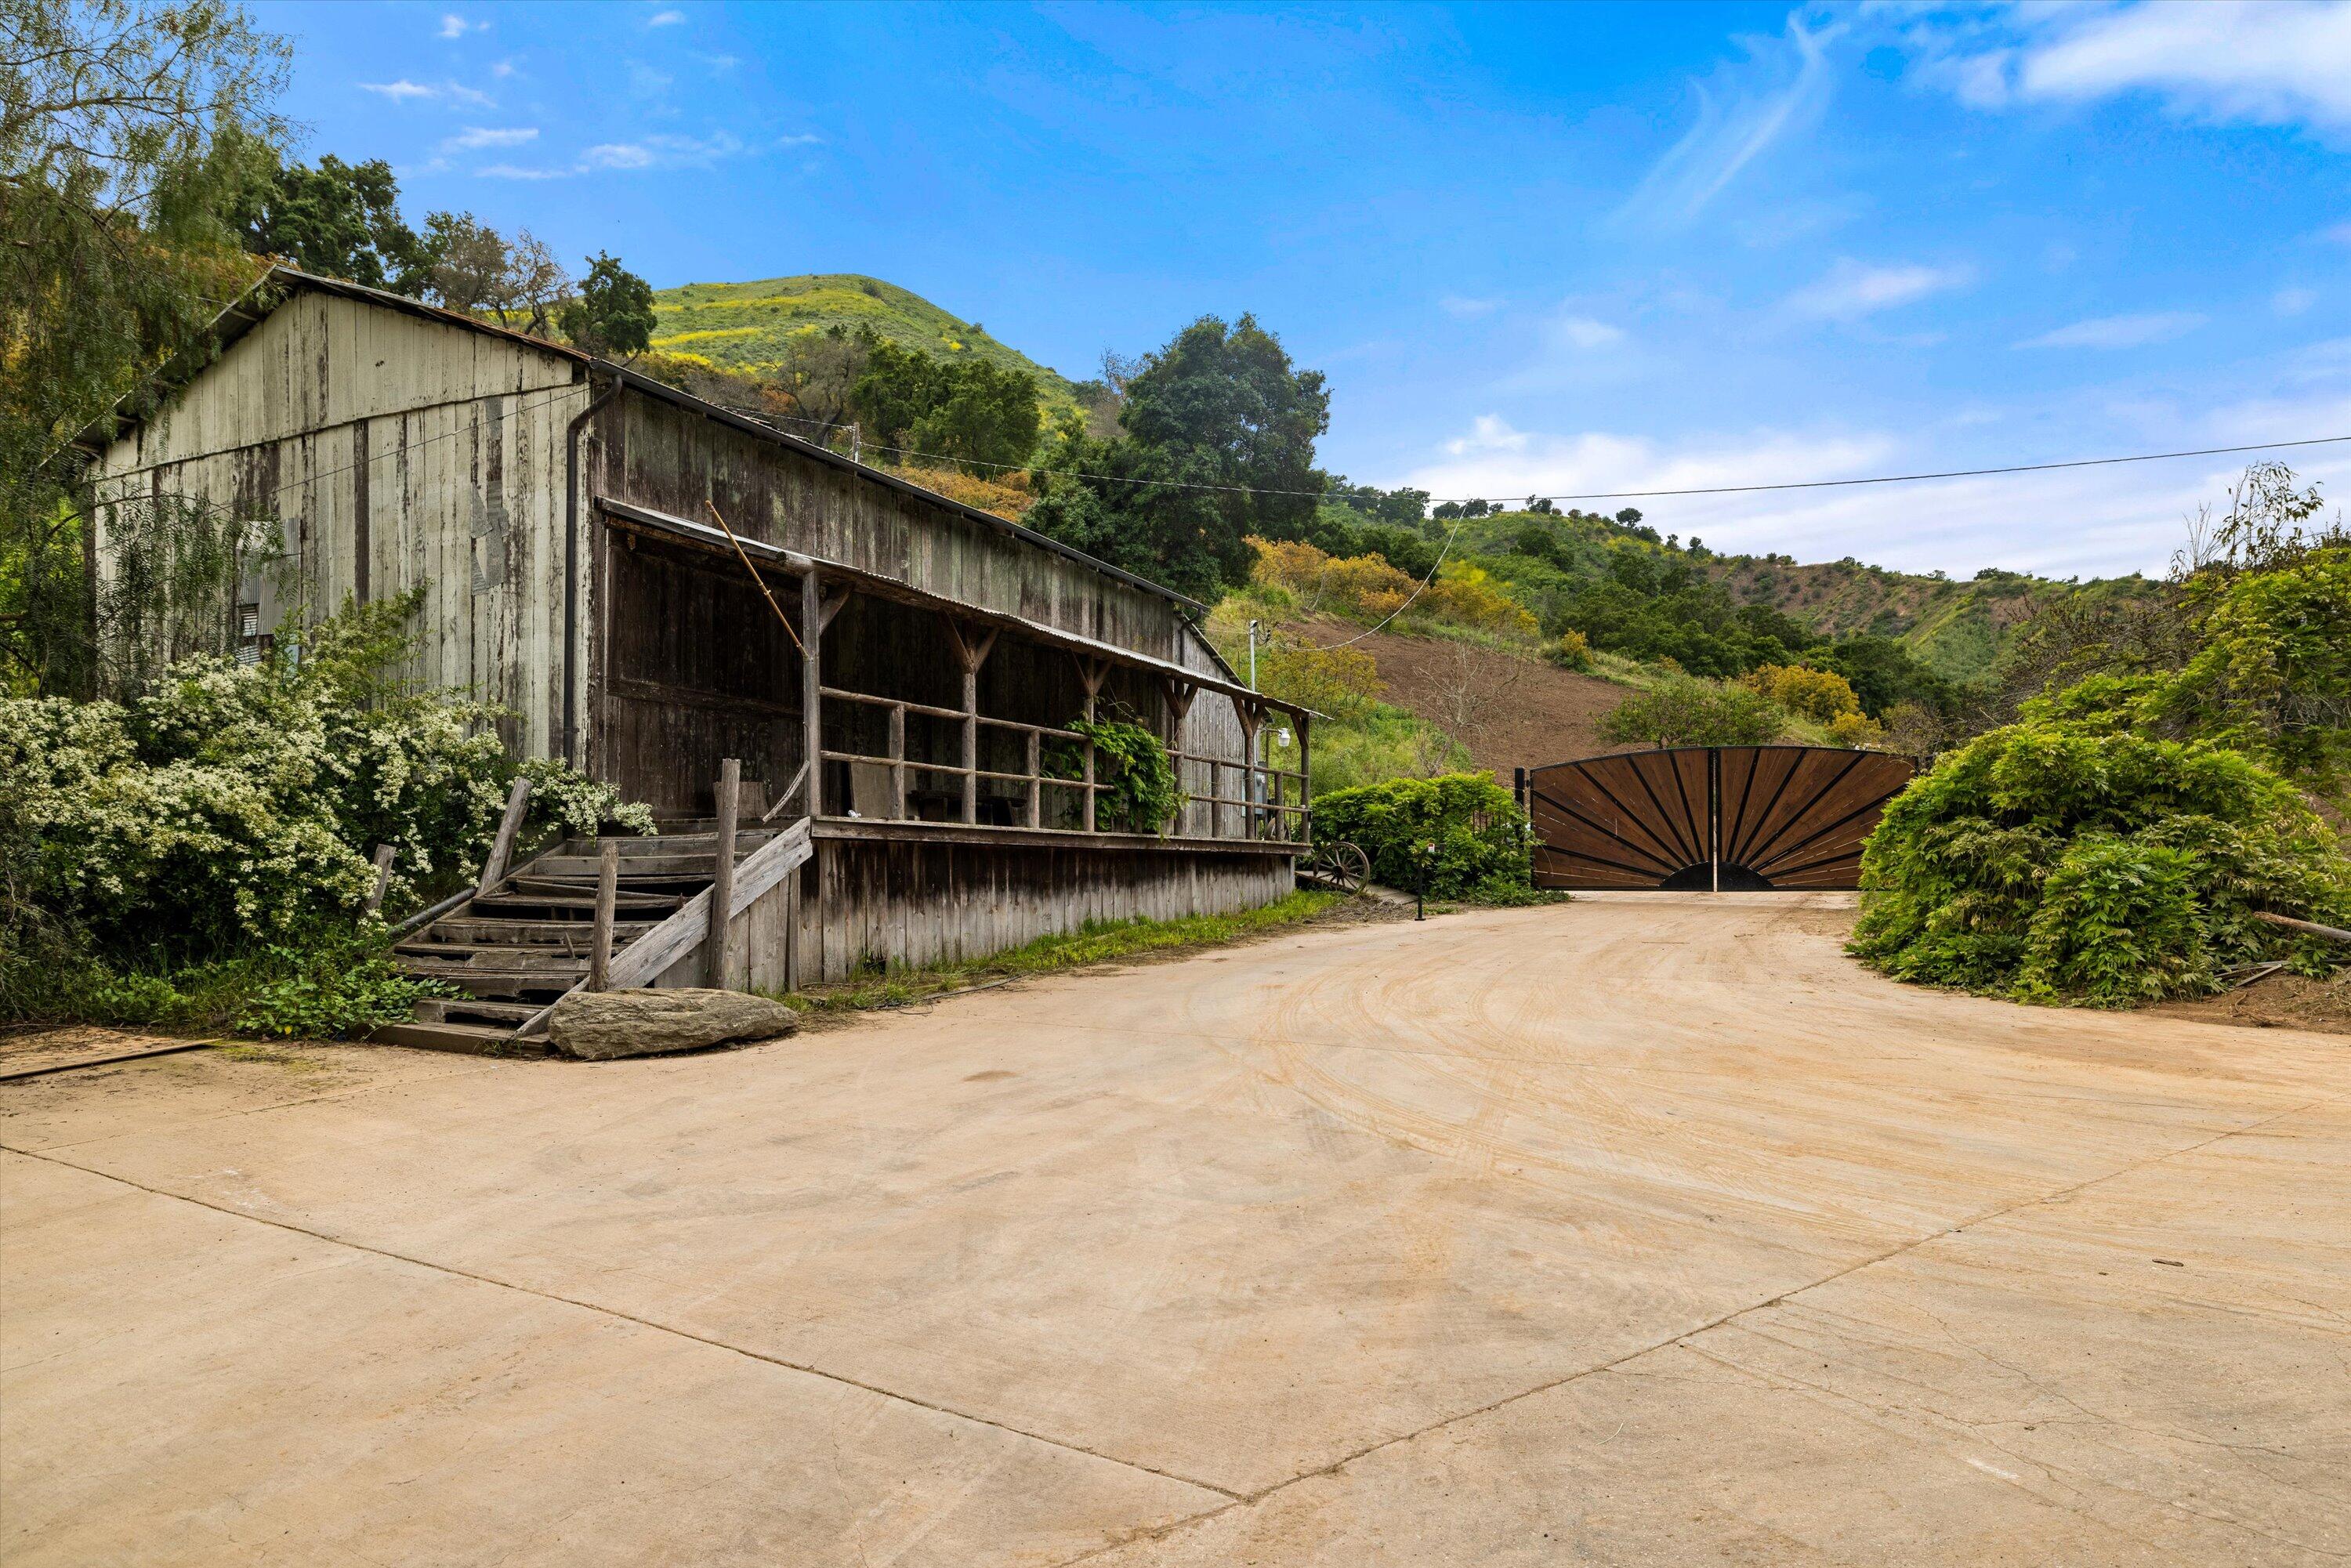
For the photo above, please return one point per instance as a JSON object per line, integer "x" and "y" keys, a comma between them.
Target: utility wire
{"x": 1586, "y": 496}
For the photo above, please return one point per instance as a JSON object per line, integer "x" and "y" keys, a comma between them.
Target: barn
{"x": 652, "y": 587}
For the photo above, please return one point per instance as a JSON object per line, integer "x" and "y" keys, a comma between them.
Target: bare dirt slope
{"x": 1643, "y": 1229}
{"x": 1520, "y": 713}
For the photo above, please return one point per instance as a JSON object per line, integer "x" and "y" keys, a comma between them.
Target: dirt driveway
{"x": 1640, "y": 1230}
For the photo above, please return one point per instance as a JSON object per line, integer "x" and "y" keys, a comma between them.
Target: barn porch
{"x": 888, "y": 776}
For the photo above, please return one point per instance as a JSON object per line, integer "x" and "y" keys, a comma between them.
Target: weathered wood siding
{"x": 396, "y": 452}
{"x": 894, "y": 904}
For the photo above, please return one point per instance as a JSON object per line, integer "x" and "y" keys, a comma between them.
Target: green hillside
{"x": 1958, "y": 628}
{"x": 743, "y": 326}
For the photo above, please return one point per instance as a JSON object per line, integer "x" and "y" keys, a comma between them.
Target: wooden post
{"x": 1179, "y": 708}
{"x": 898, "y": 763}
{"x": 722, "y": 884}
{"x": 792, "y": 930}
{"x": 608, "y": 894}
{"x": 494, "y": 869}
{"x": 1247, "y": 713}
{"x": 812, "y": 684}
{"x": 383, "y": 853}
{"x": 972, "y": 654}
{"x": 1036, "y": 773}
{"x": 1305, "y": 785}
{"x": 1092, "y": 672}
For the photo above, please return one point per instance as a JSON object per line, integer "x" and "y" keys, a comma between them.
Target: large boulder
{"x": 601, "y": 1025}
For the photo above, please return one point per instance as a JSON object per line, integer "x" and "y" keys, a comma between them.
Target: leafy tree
{"x": 339, "y": 220}
{"x": 969, "y": 412}
{"x": 1535, "y": 542}
{"x": 1147, "y": 509}
{"x": 613, "y": 314}
{"x": 1407, "y": 553}
{"x": 1218, "y": 445}
{"x": 471, "y": 266}
{"x": 129, "y": 136}
{"x": 1228, "y": 399}
{"x": 1683, "y": 710}
{"x": 466, "y": 262}
{"x": 986, "y": 418}
{"x": 1405, "y": 508}
{"x": 1883, "y": 672}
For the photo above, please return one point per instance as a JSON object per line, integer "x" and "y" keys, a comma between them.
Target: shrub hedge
{"x": 2048, "y": 864}
{"x": 1480, "y": 837}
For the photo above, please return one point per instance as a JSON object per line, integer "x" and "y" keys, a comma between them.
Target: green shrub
{"x": 2050, "y": 864}
{"x": 1571, "y": 650}
{"x": 1479, "y": 835}
{"x": 1683, "y": 710}
{"x": 1143, "y": 795}
{"x": 1383, "y": 744}
{"x": 229, "y": 808}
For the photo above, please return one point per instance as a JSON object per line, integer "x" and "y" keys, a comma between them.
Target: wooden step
{"x": 501, "y": 904}
{"x": 493, "y": 961}
{"x": 518, "y": 933}
{"x": 633, "y": 867}
{"x": 465, "y": 1038}
{"x": 474, "y": 1010}
{"x": 500, "y": 955}
{"x": 704, "y": 842}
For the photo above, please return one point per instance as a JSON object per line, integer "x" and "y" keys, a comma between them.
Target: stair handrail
{"x": 643, "y": 960}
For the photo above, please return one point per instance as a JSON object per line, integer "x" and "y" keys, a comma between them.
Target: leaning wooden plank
{"x": 494, "y": 869}
{"x": 648, "y": 956}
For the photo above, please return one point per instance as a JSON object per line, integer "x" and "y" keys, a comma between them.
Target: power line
{"x": 1586, "y": 496}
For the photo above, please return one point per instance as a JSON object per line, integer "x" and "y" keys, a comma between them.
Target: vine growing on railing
{"x": 1143, "y": 796}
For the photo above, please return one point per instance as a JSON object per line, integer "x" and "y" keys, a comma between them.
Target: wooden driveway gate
{"x": 1733, "y": 819}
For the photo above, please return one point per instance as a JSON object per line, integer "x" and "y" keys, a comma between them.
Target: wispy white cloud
{"x": 2119, "y": 332}
{"x": 1493, "y": 458}
{"x": 503, "y": 70}
{"x": 804, "y": 138}
{"x": 478, "y": 136}
{"x": 1463, "y": 308}
{"x": 618, "y": 155}
{"x": 519, "y": 171}
{"x": 665, "y": 20}
{"x": 2340, "y": 234}
{"x": 453, "y": 26}
{"x": 1743, "y": 109}
{"x": 646, "y": 82}
{"x": 2255, "y": 61}
{"x": 2292, "y": 301}
{"x": 1852, "y": 289}
{"x": 471, "y": 97}
{"x": 665, "y": 152}
{"x": 400, "y": 91}
{"x": 1584, "y": 333}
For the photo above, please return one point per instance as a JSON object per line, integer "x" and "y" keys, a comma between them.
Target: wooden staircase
{"x": 520, "y": 943}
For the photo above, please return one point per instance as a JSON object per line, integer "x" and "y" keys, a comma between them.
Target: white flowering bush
{"x": 230, "y": 810}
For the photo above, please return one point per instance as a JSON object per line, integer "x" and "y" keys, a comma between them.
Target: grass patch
{"x": 1096, "y": 942}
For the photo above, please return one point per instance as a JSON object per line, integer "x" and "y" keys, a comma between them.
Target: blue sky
{"x": 1536, "y": 249}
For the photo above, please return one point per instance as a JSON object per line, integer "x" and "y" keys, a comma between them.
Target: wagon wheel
{"x": 1341, "y": 864}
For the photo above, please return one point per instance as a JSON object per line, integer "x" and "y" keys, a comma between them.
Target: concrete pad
{"x": 1347, "y": 1233}
{"x": 248, "y": 1395}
